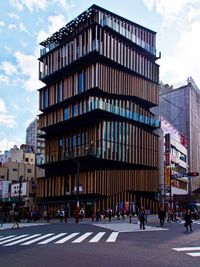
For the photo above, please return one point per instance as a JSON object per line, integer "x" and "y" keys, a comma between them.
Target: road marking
{"x": 12, "y": 239}
{"x": 63, "y": 240}
{"x": 21, "y": 240}
{"x": 194, "y": 254}
{"x": 187, "y": 249}
{"x": 36, "y": 239}
{"x": 97, "y": 237}
{"x": 51, "y": 239}
{"x": 3, "y": 238}
{"x": 81, "y": 238}
{"x": 27, "y": 239}
{"x": 113, "y": 237}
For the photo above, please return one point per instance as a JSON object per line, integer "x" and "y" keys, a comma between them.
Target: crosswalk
{"x": 61, "y": 238}
{"x": 191, "y": 251}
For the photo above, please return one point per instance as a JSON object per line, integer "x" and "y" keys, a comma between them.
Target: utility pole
{"x": 19, "y": 198}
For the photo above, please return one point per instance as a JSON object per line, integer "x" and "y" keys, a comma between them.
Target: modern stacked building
{"x": 101, "y": 80}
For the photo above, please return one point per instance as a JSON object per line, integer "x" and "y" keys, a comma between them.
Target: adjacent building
{"x": 175, "y": 184}
{"x": 101, "y": 149}
{"x": 18, "y": 170}
{"x": 180, "y": 105}
{"x": 34, "y": 137}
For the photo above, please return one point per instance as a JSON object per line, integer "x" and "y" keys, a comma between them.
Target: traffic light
{"x": 192, "y": 174}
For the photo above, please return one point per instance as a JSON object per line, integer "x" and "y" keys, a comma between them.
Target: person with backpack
{"x": 141, "y": 217}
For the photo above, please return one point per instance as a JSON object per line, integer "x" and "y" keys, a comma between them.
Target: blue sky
{"x": 25, "y": 23}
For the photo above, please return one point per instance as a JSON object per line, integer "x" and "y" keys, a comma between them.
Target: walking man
{"x": 141, "y": 217}
{"x": 161, "y": 216}
{"x": 188, "y": 220}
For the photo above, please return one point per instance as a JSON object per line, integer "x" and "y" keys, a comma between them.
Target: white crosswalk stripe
{"x": 7, "y": 237}
{"x": 81, "y": 238}
{"x": 21, "y": 240}
{"x": 36, "y": 239}
{"x": 189, "y": 251}
{"x": 112, "y": 237}
{"x": 51, "y": 239}
{"x": 97, "y": 237}
{"x": 65, "y": 239}
{"x": 61, "y": 238}
{"x": 11, "y": 239}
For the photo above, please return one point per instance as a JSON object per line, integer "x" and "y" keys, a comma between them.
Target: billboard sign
{"x": 15, "y": 189}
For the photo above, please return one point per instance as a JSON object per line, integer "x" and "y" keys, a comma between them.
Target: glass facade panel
{"x": 66, "y": 113}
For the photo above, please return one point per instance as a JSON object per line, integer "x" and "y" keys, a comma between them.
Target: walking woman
{"x": 188, "y": 220}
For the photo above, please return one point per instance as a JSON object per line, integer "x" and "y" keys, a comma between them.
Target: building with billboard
{"x": 176, "y": 182}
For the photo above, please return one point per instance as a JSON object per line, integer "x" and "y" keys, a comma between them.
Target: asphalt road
{"x": 114, "y": 244}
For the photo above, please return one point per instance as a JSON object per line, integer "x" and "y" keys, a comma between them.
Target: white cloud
{"x": 8, "y": 68}
{"x": 170, "y": 9}
{"x": 12, "y": 27}
{"x": 7, "y": 143}
{"x": 22, "y": 28}
{"x": 3, "y": 80}
{"x": 28, "y": 66}
{"x": 180, "y": 65}
{"x": 2, "y": 24}
{"x": 54, "y": 23}
{"x": 193, "y": 13}
{"x": 31, "y": 5}
{"x": 2, "y": 106}
{"x": 6, "y": 119}
{"x": 16, "y": 4}
{"x": 8, "y": 49}
{"x": 16, "y": 106}
{"x": 13, "y": 16}
{"x": 65, "y": 4}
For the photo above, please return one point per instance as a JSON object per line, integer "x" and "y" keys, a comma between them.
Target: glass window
{"x": 45, "y": 101}
{"x": 66, "y": 113}
{"x": 85, "y": 81}
{"x": 74, "y": 110}
{"x": 73, "y": 140}
{"x": 59, "y": 94}
{"x": 95, "y": 75}
{"x": 80, "y": 85}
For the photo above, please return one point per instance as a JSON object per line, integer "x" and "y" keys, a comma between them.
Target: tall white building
{"x": 33, "y": 138}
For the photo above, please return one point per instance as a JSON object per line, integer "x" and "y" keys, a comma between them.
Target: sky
{"x": 25, "y": 23}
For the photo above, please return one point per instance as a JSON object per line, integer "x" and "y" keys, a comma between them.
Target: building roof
{"x": 65, "y": 31}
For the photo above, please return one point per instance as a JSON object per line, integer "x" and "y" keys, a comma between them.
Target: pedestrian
{"x": 109, "y": 214}
{"x": 62, "y": 215}
{"x": 161, "y": 216}
{"x": 188, "y": 220}
{"x": 48, "y": 218}
{"x": 16, "y": 220}
{"x": 141, "y": 217}
{"x": 81, "y": 214}
{"x": 92, "y": 216}
{"x": 123, "y": 214}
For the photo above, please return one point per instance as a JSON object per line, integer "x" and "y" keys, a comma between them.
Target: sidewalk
{"x": 153, "y": 218}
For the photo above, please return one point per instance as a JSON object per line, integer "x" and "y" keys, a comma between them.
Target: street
{"x": 101, "y": 244}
